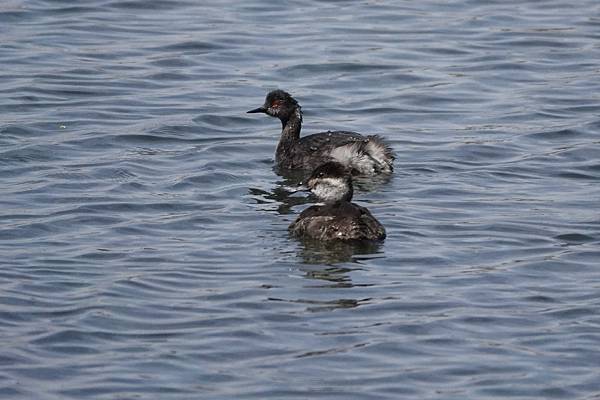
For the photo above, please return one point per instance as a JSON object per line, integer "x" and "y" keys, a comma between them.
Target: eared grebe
{"x": 338, "y": 218}
{"x": 360, "y": 154}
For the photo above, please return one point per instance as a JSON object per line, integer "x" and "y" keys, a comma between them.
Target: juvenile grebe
{"x": 360, "y": 154}
{"x": 338, "y": 218}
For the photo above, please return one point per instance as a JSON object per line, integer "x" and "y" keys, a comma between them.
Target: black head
{"x": 331, "y": 182}
{"x": 278, "y": 104}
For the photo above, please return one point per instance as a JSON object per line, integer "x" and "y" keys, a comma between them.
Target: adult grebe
{"x": 362, "y": 155}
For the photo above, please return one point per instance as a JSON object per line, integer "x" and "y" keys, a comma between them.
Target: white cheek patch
{"x": 328, "y": 189}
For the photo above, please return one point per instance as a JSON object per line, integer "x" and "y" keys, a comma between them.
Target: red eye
{"x": 276, "y": 103}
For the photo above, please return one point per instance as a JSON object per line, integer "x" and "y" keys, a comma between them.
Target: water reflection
{"x": 333, "y": 276}
{"x": 326, "y": 305}
{"x": 319, "y": 306}
{"x": 371, "y": 183}
{"x": 329, "y": 253}
{"x": 288, "y": 192}
{"x": 283, "y": 196}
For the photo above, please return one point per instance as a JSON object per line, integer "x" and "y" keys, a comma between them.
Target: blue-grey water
{"x": 143, "y": 229}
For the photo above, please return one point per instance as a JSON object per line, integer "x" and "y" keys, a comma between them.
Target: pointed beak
{"x": 302, "y": 187}
{"x": 257, "y": 110}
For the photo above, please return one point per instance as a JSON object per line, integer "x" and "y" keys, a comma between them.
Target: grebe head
{"x": 278, "y": 104}
{"x": 331, "y": 182}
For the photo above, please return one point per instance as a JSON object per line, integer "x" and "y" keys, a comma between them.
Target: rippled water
{"x": 143, "y": 242}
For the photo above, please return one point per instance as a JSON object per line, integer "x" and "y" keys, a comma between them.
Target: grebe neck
{"x": 291, "y": 126}
{"x": 290, "y": 135}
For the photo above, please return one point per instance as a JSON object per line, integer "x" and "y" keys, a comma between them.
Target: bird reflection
{"x": 335, "y": 252}
{"x": 327, "y": 305}
{"x": 289, "y": 193}
{"x": 317, "y": 306}
{"x": 333, "y": 276}
{"x": 282, "y": 197}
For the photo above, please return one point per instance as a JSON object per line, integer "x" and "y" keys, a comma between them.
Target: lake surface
{"x": 143, "y": 229}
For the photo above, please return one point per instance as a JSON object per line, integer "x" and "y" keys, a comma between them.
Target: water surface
{"x": 143, "y": 229}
